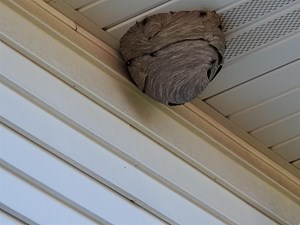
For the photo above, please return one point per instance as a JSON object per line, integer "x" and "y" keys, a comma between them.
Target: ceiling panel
{"x": 75, "y": 4}
{"x": 259, "y": 86}
{"x": 175, "y": 5}
{"x": 265, "y": 59}
{"x": 257, "y": 90}
{"x": 105, "y": 13}
{"x": 279, "y": 131}
{"x": 289, "y": 150}
{"x": 269, "y": 111}
{"x": 297, "y": 164}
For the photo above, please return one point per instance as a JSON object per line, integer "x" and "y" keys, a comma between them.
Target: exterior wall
{"x": 70, "y": 157}
{"x": 68, "y": 177}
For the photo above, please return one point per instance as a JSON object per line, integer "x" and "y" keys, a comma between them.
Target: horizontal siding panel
{"x": 81, "y": 191}
{"x": 106, "y": 13}
{"x": 258, "y": 90}
{"x": 7, "y": 219}
{"x": 175, "y": 5}
{"x": 280, "y": 131}
{"x": 82, "y": 152}
{"x": 289, "y": 150}
{"x": 27, "y": 200}
{"x": 144, "y": 152}
{"x": 268, "y": 111}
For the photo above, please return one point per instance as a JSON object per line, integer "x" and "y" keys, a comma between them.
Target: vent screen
{"x": 261, "y": 35}
{"x": 249, "y": 11}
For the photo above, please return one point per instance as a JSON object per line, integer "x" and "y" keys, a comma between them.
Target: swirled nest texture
{"x": 173, "y": 56}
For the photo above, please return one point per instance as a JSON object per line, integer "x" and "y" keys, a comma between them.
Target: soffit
{"x": 259, "y": 86}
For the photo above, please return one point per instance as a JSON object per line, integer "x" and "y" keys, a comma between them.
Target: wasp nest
{"x": 173, "y": 56}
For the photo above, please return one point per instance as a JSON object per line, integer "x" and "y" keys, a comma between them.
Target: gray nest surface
{"x": 173, "y": 56}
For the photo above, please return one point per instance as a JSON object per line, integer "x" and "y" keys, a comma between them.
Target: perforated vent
{"x": 249, "y": 11}
{"x": 263, "y": 34}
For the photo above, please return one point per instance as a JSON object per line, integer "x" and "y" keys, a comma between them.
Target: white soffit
{"x": 258, "y": 88}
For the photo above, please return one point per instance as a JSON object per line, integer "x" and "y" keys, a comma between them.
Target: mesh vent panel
{"x": 263, "y": 34}
{"x": 249, "y": 11}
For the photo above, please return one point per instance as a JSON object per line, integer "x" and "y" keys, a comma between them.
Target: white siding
{"x": 8, "y": 219}
{"x": 32, "y": 203}
{"x": 92, "y": 158}
{"x": 62, "y": 181}
{"x": 96, "y": 160}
